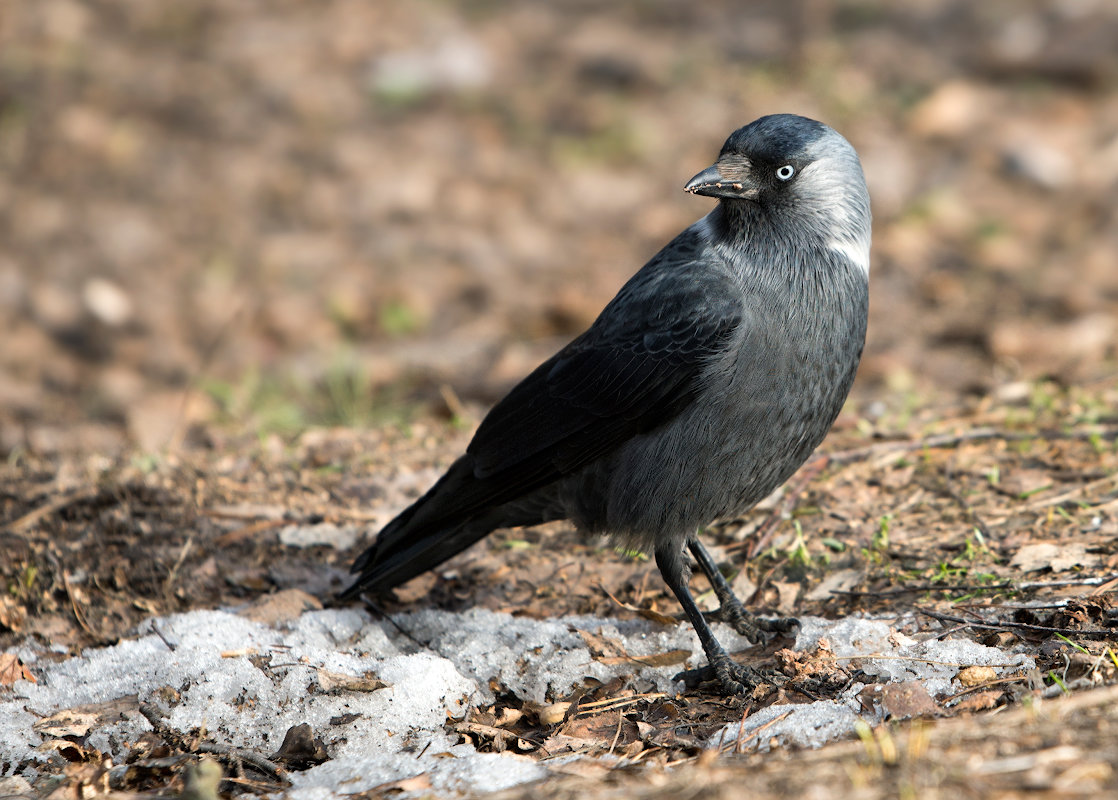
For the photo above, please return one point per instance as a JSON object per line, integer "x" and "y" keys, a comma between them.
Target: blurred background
{"x": 282, "y": 214}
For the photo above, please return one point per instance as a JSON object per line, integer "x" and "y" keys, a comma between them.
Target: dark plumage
{"x": 703, "y": 385}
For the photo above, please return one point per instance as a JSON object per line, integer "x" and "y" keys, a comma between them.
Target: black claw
{"x": 749, "y": 626}
{"x": 740, "y": 620}
{"x": 778, "y": 624}
{"x": 733, "y": 678}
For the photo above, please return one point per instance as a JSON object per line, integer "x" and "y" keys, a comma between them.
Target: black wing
{"x": 610, "y": 384}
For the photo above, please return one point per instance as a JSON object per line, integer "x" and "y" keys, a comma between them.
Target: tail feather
{"x": 439, "y": 525}
{"x": 382, "y": 572}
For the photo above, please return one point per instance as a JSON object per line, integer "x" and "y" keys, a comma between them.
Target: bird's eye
{"x": 786, "y": 172}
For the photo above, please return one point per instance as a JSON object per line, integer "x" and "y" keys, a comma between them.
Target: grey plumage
{"x": 702, "y": 386}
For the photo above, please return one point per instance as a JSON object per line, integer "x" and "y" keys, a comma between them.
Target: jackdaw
{"x": 703, "y": 385}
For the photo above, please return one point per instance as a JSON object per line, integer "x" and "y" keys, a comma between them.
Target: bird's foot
{"x": 732, "y": 677}
{"x": 737, "y": 617}
{"x": 778, "y": 624}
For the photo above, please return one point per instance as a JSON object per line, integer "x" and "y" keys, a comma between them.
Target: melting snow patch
{"x": 807, "y": 725}
{"x": 879, "y": 650}
{"x": 884, "y": 653}
{"x": 246, "y": 683}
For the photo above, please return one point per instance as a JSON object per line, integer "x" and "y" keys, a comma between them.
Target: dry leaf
{"x": 650, "y": 614}
{"x": 819, "y": 662}
{"x": 301, "y": 749}
{"x": 838, "y": 581}
{"x": 906, "y": 700}
{"x": 12, "y": 614}
{"x": 329, "y": 681}
{"x": 1025, "y": 482}
{"x": 1057, "y": 557}
{"x": 80, "y": 720}
{"x": 416, "y": 783}
{"x": 70, "y": 750}
{"x": 283, "y": 606}
{"x": 595, "y": 727}
{"x": 12, "y": 669}
{"x": 498, "y": 738}
{"x": 69, "y": 722}
{"x": 564, "y": 744}
{"x": 602, "y": 648}
{"x": 787, "y": 592}
{"x": 978, "y": 701}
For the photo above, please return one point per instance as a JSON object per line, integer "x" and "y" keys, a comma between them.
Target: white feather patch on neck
{"x": 857, "y": 253}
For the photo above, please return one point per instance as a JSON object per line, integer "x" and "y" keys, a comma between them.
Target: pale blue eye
{"x": 786, "y": 172}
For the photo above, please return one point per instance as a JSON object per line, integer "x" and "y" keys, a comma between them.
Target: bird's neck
{"x": 743, "y": 223}
{"x": 770, "y": 239}
{"x": 733, "y": 219}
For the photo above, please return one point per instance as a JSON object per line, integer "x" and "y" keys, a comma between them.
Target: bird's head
{"x": 799, "y": 170}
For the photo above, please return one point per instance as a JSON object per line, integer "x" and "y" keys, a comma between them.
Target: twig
{"x": 915, "y": 659}
{"x": 741, "y": 729}
{"x": 956, "y": 439}
{"x": 178, "y": 740}
{"x": 980, "y": 687}
{"x": 1097, "y": 581}
{"x": 155, "y": 629}
{"x": 738, "y": 743}
{"x": 1104, "y": 633}
{"x": 1071, "y": 494}
{"x": 406, "y": 633}
{"x": 269, "y": 513}
{"x": 57, "y": 504}
{"x": 964, "y": 587}
{"x": 174, "y": 571}
{"x": 922, "y": 587}
{"x": 943, "y": 634}
{"x": 646, "y": 613}
{"x": 79, "y": 615}
{"x": 249, "y": 531}
{"x": 614, "y": 703}
{"x": 646, "y": 752}
{"x": 617, "y": 735}
{"x": 974, "y": 608}
{"x": 256, "y": 760}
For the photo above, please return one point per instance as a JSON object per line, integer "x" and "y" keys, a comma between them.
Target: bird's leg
{"x": 730, "y": 608}
{"x": 735, "y": 678}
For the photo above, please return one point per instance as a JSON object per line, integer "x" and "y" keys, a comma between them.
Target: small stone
{"x": 975, "y": 676}
{"x": 107, "y": 302}
{"x": 554, "y": 713}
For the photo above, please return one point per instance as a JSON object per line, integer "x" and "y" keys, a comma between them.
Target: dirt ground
{"x": 265, "y": 264}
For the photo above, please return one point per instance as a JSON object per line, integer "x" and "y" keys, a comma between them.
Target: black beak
{"x": 710, "y": 183}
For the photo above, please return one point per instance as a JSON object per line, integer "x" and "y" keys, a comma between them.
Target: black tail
{"x": 450, "y": 517}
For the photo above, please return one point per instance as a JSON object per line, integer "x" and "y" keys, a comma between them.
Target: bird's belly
{"x": 716, "y": 459}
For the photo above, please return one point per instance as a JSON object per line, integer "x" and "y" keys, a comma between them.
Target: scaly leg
{"x": 730, "y": 608}
{"x": 735, "y": 678}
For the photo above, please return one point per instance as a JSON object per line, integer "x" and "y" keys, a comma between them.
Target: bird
{"x": 702, "y": 386}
